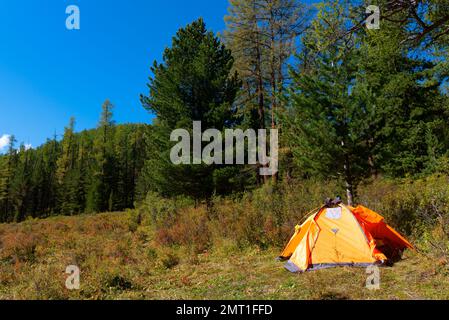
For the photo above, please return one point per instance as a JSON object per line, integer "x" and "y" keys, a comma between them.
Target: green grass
{"x": 121, "y": 261}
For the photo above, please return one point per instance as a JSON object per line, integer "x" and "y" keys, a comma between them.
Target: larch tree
{"x": 65, "y": 169}
{"x": 262, "y": 35}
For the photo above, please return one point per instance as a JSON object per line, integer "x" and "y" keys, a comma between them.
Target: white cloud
{"x": 28, "y": 146}
{"x": 4, "y": 141}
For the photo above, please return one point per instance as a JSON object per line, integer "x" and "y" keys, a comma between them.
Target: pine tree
{"x": 194, "y": 83}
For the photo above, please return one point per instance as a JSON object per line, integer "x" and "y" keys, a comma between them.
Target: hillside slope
{"x": 120, "y": 261}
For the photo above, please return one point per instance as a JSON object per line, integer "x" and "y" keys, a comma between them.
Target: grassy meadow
{"x": 224, "y": 250}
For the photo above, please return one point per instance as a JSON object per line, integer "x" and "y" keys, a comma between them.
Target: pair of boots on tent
{"x": 340, "y": 235}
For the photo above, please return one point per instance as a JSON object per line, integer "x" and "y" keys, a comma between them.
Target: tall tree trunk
{"x": 348, "y": 178}
{"x": 274, "y": 177}
{"x": 273, "y": 80}
{"x": 261, "y": 96}
{"x": 348, "y": 183}
{"x": 371, "y": 162}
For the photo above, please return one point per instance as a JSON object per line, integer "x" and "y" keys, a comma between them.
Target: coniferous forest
{"x": 351, "y": 103}
{"x": 90, "y": 171}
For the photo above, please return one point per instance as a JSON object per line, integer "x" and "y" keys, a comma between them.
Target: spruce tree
{"x": 102, "y": 179}
{"x": 403, "y": 109}
{"x": 321, "y": 124}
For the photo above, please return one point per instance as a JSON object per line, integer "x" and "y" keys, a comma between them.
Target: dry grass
{"x": 120, "y": 260}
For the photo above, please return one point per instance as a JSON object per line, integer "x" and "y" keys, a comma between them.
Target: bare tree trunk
{"x": 349, "y": 194}
{"x": 372, "y": 165}
{"x": 260, "y": 93}
{"x": 348, "y": 178}
{"x": 273, "y": 78}
{"x": 349, "y": 185}
{"x": 274, "y": 177}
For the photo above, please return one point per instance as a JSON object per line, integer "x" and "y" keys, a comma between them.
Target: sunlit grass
{"x": 122, "y": 262}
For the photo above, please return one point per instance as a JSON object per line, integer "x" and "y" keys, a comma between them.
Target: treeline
{"x": 91, "y": 171}
{"x": 350, "y": 103}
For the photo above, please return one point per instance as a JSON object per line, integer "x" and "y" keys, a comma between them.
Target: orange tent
{"x": 339, "y": 235}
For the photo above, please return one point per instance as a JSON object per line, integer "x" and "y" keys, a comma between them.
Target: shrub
{"x": 408, "y": 205}
{"x": 19, "y": 247}
{"x": 418, "y": 208}
{"x": 116, "y": 282}
{"x": 189, "y": 228}
{"x": 152, "y": 253}
{"x": 134, "y": 219}
{"x": 266, "y": 216}
{"x": 46, "y": 283}
{"x": 170, "y": 260}
{"x": 158, "y": 211}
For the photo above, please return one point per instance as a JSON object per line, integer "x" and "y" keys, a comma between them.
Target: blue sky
{"x": 48, "y": 73}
